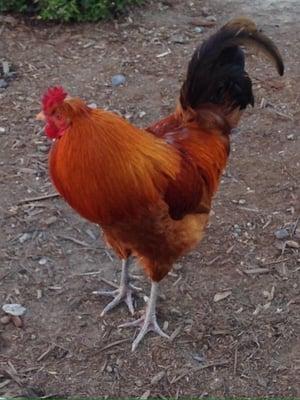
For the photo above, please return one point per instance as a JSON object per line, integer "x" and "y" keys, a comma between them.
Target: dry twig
{"x": 38, "y": 198}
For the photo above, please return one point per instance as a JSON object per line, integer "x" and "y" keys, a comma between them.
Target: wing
{"x": 203, "y": 157}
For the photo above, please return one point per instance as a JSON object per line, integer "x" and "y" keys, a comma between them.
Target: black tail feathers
{"x": 216, "y": 71}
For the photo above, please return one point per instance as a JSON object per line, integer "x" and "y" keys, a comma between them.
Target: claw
{"x": 120, "y": 295}
{"x": 148, "y": 322}
{"x": 123, "y": 293}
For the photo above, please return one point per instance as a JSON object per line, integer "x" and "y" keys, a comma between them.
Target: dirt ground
{"x": 247, "y": 344}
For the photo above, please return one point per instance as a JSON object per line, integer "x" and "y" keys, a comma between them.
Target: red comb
{"x": 53, "y": 97}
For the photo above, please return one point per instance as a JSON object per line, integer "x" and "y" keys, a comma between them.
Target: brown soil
{"x": 244, "y": 345}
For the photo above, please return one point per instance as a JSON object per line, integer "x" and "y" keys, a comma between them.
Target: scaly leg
{"x": 148, "y": 321}
{"x": 122, "y": 293}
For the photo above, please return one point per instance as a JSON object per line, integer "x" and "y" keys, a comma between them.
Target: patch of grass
{"x": 69, "y": 10}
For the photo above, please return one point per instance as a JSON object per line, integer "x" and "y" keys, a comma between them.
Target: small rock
{"x": 118, "y": 80}
{"x": 242, "y": 201}
{"x": 128, "y": 116}
{"x": 17, "y": 321}
{"x": 5, "y": 319}
{"x": 198, "y": 29}
{"x": 142, "y": 114}
{"x": 43, "y": 148}
{"x": 290, "y": 137}
{"x": 109, "y": 368}
{"x": 138, "y": 383}
{"x": 14, "y": 309}
{"x": 51, "y": 220}
{"x": 23, "y": 238}
{"x": 3, "y": 84}
{"x": 2, "y": 130}
{"x": 43, "y": 261}
{"x": 92, "y": 105}
{"x": 179, "y": 39}
{"x": 281, "y": 234}
{"x": 200, "y": 357}
{"x": 211, "y": 18}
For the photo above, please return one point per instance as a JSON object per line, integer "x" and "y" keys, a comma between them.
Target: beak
{"x": 40, "y": 116}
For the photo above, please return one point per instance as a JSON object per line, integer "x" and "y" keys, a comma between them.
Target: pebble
{"x": 242, "y": 201}
{"x": 24, "y": 238}
{"x": 3, "y": 84}
{"x": 17, "y": 321}
{"x": 5, "y": 319}
{"x": 142, "y": 114}
{"x": 281, "y": 234}
{"x": 14, "y": 309}
{"x": 51, "y": 220}
{"x": 43, "y": 148}
{"x": 211, "y": 18}
{"x": 92, "y": 105}
{"x": 2, "y": 130}
{"x": 198, "y": 29}
{"x": 43, "y": 261}
{"x": 179, "y": 39}
{"x": 118, "y": 80}
{"x": 290, "y": 137}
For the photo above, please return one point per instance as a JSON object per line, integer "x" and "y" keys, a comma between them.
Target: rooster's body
{"x": 151, "y": 190}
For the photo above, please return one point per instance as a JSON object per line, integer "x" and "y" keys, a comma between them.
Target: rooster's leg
{"x": 123, "y": 293}
{"x": 148, "y": 321}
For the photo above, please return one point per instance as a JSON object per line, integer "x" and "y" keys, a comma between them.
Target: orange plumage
{"x": 151, "y": 190}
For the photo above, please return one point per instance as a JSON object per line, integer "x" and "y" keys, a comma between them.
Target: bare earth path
{"x": 51, "y": 260}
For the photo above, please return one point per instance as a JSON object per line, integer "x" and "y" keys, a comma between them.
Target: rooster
{"x": 151, "y": 189}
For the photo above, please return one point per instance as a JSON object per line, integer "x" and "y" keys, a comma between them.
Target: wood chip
{"x": 222, "y": 295}
{"x": 175, "y": 333}
{"x": 292, "y": 244}
{"x": 252, "y": 271}
{"x": 196, "y": 369}
{"x": 3, "y": 384}
{"x": 163, "y": 54}
{"x": 145, "y": 395}
{"x": 158, "y": 377}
